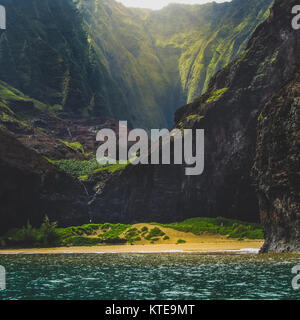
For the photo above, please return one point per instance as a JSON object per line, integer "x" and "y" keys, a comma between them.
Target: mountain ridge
{"x": 100, "y": 58}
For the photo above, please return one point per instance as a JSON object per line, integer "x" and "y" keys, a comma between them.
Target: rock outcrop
{"x": 277, "y": 169}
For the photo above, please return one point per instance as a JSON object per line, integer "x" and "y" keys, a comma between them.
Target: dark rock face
{"x": 277, "y": 169}
{"x": 142, "y": 193}
{"x": 228, "y": 112}
{"x": 32, "y": 188}
{"x": 48, "y": 133}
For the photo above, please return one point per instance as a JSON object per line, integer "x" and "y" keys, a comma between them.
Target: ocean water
{"x": 149, "y": 276}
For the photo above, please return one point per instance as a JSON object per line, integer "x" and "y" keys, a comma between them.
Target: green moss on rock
{"x": 216, "y": 95}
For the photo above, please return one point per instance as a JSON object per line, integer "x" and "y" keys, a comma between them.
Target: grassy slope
{"x": 9, "y": 98}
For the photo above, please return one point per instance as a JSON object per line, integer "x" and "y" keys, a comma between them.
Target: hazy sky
{"x": 158, "y": 4}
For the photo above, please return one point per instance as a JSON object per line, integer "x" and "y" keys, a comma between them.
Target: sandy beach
{"x": 213, "y": 243}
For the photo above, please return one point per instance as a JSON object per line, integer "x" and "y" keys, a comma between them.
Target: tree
{"x": 49, "y": 233}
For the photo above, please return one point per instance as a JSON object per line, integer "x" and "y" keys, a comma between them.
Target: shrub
{"x": 83, "y": 241}
{"x": 232, "y": 228}
{"x": 155, "y": 232}
{"x": 113, "y": 231}
{"x": 221, "y": 221}
{"x": 116, "y": 240}
{"x": 28, "y": 236}
{"x": 49, "y": 234}
{"x": 180, "y": 241}
{"x": 106, "y": 226}
{"x": 78, "y": 168}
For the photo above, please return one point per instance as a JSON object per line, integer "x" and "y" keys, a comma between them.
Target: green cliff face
{"x": 45, "y": 53}
{"x": 166, "y": 58}
{"x": 197, "y": 41}
{"x": 96, "y": 57}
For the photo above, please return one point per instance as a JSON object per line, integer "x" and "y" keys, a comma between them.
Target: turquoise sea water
{"x": 149, "y": 276}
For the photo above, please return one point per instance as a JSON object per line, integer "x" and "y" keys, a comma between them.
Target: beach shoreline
{"x": 219, "y": 246}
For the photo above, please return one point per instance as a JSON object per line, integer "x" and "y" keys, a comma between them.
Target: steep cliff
{"x": 277, "y": 169}
{"x": 229, "y": 113}
{"x": 31, "y": 188}
{"x": 45, "y": 53}
{"x": 198, "y": 40}
{"x": 100, "y": 58}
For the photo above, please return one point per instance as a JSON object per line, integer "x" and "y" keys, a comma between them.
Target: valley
{"x": 71, "y": 68}
{"x": 99, "y": 58}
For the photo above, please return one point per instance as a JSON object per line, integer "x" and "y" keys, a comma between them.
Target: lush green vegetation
{"x": 88, "y": 235}
{"x": 84, "y": 168}
{"x": 216, "y": 95}
{"x": 96, "y": 234}
{"x": 154, "y": 233}
{"x": 132, "y": 235}
{"x": 28, "y": 236}
{"x": 77, "y": 167}
{"x": 112, "y": 232}
{"x": 76, "y": 146}
{"x": 230, "y": 227}
{"x": 111, "y": 168}
{"x": 50, "y": 235}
